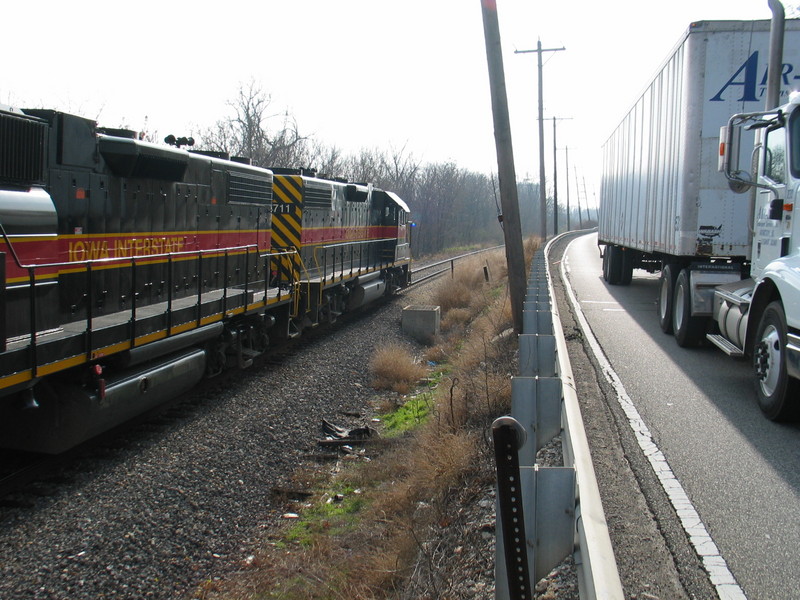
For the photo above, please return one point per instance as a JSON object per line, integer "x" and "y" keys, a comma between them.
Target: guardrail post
{"x": 536, "y": 404}
{"x": 537, "y": 355}
{"x": 535, "y": 515}
{"x": 537, "y": 321}
{"x": 545, "y": 517}
{"x": 513, "y": 566}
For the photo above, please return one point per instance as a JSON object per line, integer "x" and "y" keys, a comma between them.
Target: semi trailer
{"x": 700, "y": 181}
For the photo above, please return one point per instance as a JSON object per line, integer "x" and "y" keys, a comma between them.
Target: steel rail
{"x": 460, "y": 256}
{"x": 450, "y": 261}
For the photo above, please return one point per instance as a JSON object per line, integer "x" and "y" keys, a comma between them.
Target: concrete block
{"x": 421, "y": 322}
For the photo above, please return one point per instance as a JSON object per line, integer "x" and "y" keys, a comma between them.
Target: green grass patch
{"x": 328, "y": 517}
{"x": 409, "y": 415}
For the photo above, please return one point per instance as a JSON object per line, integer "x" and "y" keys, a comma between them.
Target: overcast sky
{"x": 385, "y": 74}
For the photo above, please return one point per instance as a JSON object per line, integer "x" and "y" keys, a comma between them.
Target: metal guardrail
{"x": 560, "y": 512}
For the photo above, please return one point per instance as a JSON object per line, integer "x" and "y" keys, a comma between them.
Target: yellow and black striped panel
{"x": 287, "y": 219}
{"x": 287, "y": 211}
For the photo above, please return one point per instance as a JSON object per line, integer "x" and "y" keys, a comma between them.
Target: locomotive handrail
{"x": 351, "y": 245}
{"x": 88, "y": 264}
{"x": 354, "y": 243}
{"x": 10, "y": 246}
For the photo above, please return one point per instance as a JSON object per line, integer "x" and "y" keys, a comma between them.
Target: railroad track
{"x": 437, "y": 268}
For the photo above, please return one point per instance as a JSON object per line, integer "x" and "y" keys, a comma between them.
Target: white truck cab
{"x": 760, "y": 317}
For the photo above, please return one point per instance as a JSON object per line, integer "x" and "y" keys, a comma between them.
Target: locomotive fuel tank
{"x": 60, "y": 415}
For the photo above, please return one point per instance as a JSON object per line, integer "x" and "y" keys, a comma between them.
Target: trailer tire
{"x": 614, "y": 270}
{"x": 666, "y": 296}
{"x": 626, "y": 270}
{"x": 776, "y": 391}
{"x": 689, "y": 331}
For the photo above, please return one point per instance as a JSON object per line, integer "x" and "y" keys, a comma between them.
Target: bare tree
{"x": 248, "y": 132}
{"x": 452, "y": 206}
{"x": 366, "y": 166}
{"x": 325, "y": 160}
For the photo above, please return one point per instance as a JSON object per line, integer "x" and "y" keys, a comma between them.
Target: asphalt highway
{"x": 740, "y": 470}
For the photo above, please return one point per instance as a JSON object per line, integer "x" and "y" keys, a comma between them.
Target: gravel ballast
{"x": 187, "y": 498}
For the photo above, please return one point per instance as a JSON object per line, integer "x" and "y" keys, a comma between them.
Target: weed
{"x": 393, "y": 368}
{"x": 409, "y": 415}
{"x": 333, "y": 515}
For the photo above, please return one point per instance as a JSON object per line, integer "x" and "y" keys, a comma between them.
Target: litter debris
{"x": 291, "y": 494}
{"x": 339, "y": 436}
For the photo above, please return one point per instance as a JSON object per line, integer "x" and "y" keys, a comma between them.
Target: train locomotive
{"x": 132, "y": 270}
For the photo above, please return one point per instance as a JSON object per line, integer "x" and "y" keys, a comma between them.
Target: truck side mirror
{"x": 728, "y": 163}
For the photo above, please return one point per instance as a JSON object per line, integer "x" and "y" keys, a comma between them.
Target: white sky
{"x": 382, "y": 74}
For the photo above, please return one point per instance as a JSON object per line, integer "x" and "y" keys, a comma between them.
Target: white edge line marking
{"x": 713, "y": 562}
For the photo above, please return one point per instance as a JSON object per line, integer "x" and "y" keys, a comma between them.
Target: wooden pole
{"x": 512, "y": 232}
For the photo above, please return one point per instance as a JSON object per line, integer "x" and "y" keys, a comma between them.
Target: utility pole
{"x": 586, "y": 198}
{"x": 566, "y": 170}
{"x": 512, "y": 231}
{"x": 555, "y": 181}
{"x": 578, "y": 190}
{"x": 542, "y": 190}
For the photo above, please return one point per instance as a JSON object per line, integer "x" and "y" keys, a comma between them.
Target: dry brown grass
{"x": 471, "y": 280}
{"x": 456, "y": 319}
{"x": 394, "y": 368}
{"x": 411, "y": 483}
{"x": 435, "y": 354}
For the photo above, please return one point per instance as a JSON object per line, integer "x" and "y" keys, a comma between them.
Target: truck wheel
{"x": 614, "y": 271}
{"x": 666, "y": 293}
{"x": 626, "y": 270}
{"x": 689, "y": 330}
{"x": 776, "y": 391}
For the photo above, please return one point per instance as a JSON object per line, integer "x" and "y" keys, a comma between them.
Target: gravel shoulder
{"x": 653, "y": 554}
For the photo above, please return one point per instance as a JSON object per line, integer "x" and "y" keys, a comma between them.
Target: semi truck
{"x": 700, "y": 181}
